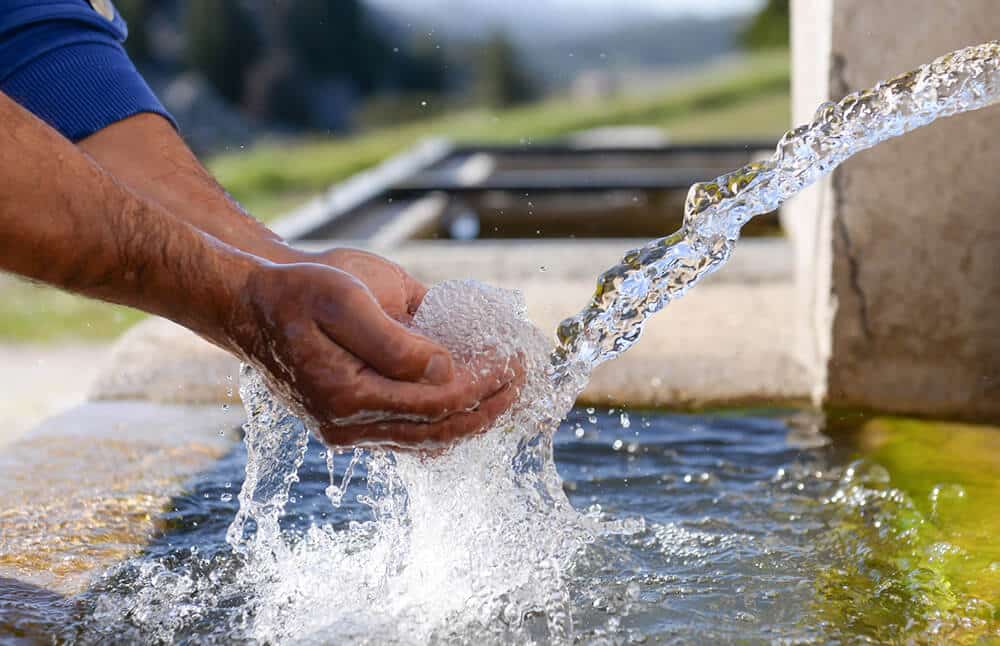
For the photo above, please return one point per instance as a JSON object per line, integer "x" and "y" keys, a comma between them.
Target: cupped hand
{"x": 336, "y": 347}
{"x": 396, "y": 291}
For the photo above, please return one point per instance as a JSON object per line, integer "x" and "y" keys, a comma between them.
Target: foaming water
{"x": 451, "y": 535}
{"x": 481, "y": 543}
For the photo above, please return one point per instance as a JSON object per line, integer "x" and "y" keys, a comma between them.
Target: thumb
{"x": 359, "y": 324}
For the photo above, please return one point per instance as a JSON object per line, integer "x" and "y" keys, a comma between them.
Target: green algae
{"x": 915, "y": 535}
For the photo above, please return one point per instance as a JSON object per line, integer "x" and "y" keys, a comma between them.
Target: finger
{"x": 424, "y": 436}
{"x": 358, "y": 323}
{"x": 415, "y": 292}
{"x": 365, "y": 263}
{"x": 426, "y": 403}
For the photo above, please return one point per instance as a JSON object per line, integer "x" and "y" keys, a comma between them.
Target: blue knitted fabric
{"x": 64, "y": 62}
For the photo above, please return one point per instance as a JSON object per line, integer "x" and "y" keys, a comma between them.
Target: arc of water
{"x": 648, "y": 278}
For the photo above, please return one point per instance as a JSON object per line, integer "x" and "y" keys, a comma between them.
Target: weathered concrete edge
{"x": 86, "y": 489}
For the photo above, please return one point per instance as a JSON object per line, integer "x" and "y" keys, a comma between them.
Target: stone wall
{"x": 899, "y": 251}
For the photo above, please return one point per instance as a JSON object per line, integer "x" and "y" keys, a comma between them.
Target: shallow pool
{"x": 755, "y": 527}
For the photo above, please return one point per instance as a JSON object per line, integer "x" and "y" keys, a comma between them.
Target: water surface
{"x": 755, "y": 528}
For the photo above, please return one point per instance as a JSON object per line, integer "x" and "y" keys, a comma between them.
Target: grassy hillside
{"x": 746, "y": 100}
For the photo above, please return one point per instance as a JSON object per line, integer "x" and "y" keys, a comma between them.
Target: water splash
{"x": 445, "y": 555}
{"x": 477, "y": 545}
{"x": 276, "y": 444}
{"x": 488, "y": 520}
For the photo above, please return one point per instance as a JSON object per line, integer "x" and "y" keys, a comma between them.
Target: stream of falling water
{"x": 648, "y": 278}
{"x": 476, "y": 545}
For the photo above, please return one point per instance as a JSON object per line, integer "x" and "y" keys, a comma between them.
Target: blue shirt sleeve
{"x": 65, "y": 62}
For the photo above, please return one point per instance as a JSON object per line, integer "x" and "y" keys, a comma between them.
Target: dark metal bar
{"x": 558, "y": 180}
{"x": 568, "y": 149}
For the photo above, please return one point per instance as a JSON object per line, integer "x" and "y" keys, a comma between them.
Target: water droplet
{"x": 226, "y": 497}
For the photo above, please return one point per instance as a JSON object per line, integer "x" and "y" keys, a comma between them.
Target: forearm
{"x": 145, "y": 153}
{"x": 67, "y": 222}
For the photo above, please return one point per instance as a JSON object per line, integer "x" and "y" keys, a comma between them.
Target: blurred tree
{"x": 501, "y": 79}
{"x": 333, "y": 39}
{"x": 770, "y": 27}
{"x": 136, "y": 14}
{"x": 222, "y": 44}
{"x": 422, "y": 67}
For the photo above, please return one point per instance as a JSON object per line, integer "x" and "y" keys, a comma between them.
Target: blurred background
{"x": 283, "y": 99}
{"x": 238, "y": 71}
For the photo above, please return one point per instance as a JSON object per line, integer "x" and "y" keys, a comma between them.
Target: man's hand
{"x": 337, "y": 370}
{"x": 342, "y": 355}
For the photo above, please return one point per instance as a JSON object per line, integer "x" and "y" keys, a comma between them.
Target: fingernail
{"x": 438, "y": 370}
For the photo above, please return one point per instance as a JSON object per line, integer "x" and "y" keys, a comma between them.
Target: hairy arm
{"x": 66, "y": 222}
{"x": 319, "y": 334}
{"x": 145, "y": 153}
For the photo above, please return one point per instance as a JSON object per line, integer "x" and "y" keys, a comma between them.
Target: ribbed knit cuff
{"x": 82, "y": 88}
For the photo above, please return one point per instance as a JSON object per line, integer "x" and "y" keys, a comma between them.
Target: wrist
{"x": 226, "y": 301}
{"x": 276, "y": 250}
{"x": 189, "y": 277}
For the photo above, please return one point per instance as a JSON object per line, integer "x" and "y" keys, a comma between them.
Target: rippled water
{"x": 757, "y": 529}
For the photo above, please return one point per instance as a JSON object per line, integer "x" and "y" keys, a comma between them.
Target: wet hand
{"x": 396, "y": 291}
{"x": 335, "y": 345}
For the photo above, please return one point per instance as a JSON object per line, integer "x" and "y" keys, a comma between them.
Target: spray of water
{"x": 476, "y": 545}
{"x": 482, "y": 537}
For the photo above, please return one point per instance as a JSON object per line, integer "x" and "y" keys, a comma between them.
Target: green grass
{"x": 761, "y": 117}
{"x": 33, "y": 313}
{"x": 749, "y": 99}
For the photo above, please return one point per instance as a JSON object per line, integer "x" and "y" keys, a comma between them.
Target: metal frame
{"x": 422, "y": 171}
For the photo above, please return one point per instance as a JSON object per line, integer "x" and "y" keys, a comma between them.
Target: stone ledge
{"x": 160, "y": 361}
{"x": 86, "y": 488}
